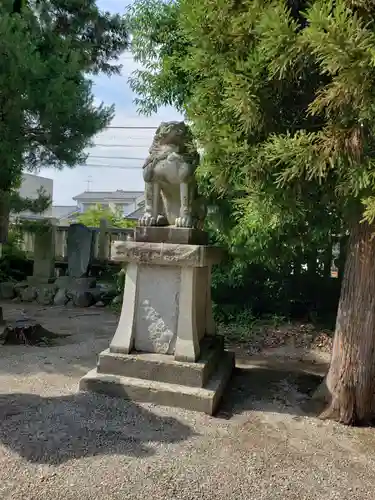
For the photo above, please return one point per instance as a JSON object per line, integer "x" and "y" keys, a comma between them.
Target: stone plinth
{"x": 170, "y": 234}
{"x": 44, "y": 253}
{"x": 165, "y": 349}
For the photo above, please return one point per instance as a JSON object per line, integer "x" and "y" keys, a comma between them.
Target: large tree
{"x": 48, "y": 115}
{"x": 281, "y": 95}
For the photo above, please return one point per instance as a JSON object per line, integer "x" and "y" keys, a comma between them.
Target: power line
{"x": 115, "y": 157}
{"x": 134, "y": 128}
{"x": 118, "y": 146}
{"x": 121, "y": 167}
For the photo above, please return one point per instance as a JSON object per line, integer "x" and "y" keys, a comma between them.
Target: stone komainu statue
{"x": 171, "y": 195}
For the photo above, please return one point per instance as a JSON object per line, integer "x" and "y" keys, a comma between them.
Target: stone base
{"x": 40, "y": 280}
{"x": 160, "y": 379}
{"x": 170, "y": 234}
{"x": 167, "y": 307}
{"x": 164, "y": 367}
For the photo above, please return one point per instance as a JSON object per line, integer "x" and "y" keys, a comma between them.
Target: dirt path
{"x": 58, "y": 444}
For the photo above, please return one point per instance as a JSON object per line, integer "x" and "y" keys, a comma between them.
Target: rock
{"x": 84, "y": 283}
{"x": 104, "y": 292}
{"x": 29, "y": 294}
{"x": 7, "y": 290}
{"x": 108, "y": 289}
{"x": 64, "y": 281}
{"x": 75, "y": 283}
{"x": 61, "y": 298}
{"x": 18, "y": 287}
{"x": 82, "y": 298}
{"x": 3, "y": 327}
{"x": 46, "y": 294}
{"x": 39, "y": 280}
{"x": 96, "y": 293}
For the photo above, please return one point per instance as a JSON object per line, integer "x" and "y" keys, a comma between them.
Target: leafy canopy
{"x": 281, "y": 97}
{"x": 47, "y": 110}
{"x": 96, "y": 213}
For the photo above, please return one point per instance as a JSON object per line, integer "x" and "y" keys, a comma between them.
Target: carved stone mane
{"x": 169, "y": 175}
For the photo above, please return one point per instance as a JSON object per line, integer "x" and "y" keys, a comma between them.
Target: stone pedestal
{"x": 165, "y": 349}
{"x": 44, "y": 254}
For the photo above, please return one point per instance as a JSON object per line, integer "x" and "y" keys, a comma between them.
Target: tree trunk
{"x": 342, "y": 256}
{"x": 350, "y": 384}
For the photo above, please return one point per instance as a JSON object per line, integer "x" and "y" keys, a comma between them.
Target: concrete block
{"x": 170, "y": 234}
{"x": 204, "y": 400}
{"x": 162, "y": 367}
{"x": 165, "y": 254}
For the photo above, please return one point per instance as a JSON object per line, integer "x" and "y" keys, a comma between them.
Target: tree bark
{"x": 349, "y": 386}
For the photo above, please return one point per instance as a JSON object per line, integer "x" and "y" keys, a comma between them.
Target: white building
{"x": 122, "y": 201}
{"x": 64, "y": 214}
{"x": 130, "y": 203}
{"x": 31, "y": 187}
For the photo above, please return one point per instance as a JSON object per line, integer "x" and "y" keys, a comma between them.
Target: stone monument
{"x": 165, "y": 349}
{"x": 80, "y": 250}
{"x": 44, "y": 253}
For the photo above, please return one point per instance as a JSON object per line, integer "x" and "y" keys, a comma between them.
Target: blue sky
{"x": 135, "y": 143}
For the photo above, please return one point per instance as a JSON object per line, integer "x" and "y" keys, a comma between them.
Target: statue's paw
{"x": 185, "y": 221}
{"x": 147, "y": 220}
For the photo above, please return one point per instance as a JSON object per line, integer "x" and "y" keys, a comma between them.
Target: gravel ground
{"x": 58, "y": 444}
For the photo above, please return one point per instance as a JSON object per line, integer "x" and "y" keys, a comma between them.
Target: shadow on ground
{"x": 54, "y": 430}
{"x": 270, "y": 390}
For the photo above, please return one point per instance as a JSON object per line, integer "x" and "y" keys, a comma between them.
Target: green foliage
{"x": 280, "y": 95}
{"x": 96, "y": 213}
{"x": 35, "y": 205}
{"x": 120, "y": 280}
{"x": 12, "y": 248}
{"x": 14, "y": 264}
{"x": 21, "y": 226}
{"x": 243, "y": 291}
{"x": 158, "y": 43}
{"x": 48, "y": 113}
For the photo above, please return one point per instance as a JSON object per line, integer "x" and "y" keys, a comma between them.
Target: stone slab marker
{"x": 103, "y": 244}
{"x": 44, "y": 253}
{"x": 80, "y": 250}
{"x": 164, "y": 349}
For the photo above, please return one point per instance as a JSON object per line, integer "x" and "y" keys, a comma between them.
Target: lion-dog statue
{"x": 171, "y": 195}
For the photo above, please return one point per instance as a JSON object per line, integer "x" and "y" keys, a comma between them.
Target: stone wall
{"x": 80, "y": 292}
{"x": 102, "y": 241}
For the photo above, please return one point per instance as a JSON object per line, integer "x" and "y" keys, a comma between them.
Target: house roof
{"x": 137, "y": 214}
{"x": 60, "y": 211}
{"x": 107, "y": 195}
